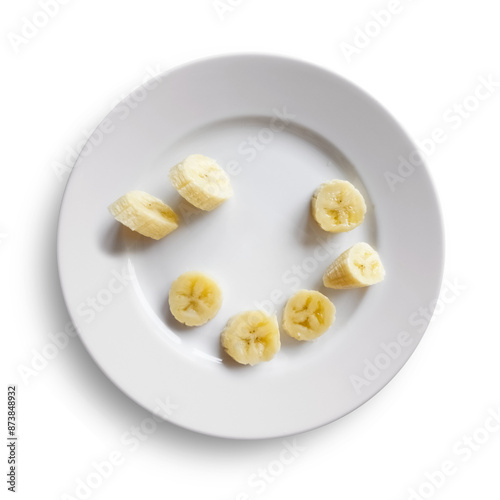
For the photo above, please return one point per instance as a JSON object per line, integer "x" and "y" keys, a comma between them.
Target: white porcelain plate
{"x": 279, "y": 127}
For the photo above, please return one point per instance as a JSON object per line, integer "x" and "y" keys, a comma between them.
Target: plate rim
{"x": 440, "y": 252}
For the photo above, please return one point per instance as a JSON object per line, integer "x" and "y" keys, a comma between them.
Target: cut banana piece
{"x": 358, "y": 266}
{"x": 194, "y": 298}
{"x": 338, "y": 206}
{"x": 251, "y": 337}
{"x": 145, "y": 214}
{"x": 308, "y": 315}
{"x": 201, "y": 181}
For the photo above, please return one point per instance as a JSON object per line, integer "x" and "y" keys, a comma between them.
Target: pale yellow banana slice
{"x": 194, "y": 298}
{"x": 358, "y": 266}
{"x": 201, "y": 181}
{"x": 251, "y": 337}
{"x": 308, "y": 315}
{"x": 145, "y": 214}
{"x": 338, "y": 206}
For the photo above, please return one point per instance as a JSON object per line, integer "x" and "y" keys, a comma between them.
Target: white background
{"x": 60, "y": 83}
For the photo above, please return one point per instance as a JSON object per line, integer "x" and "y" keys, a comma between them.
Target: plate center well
{"x": 261, "y": 245}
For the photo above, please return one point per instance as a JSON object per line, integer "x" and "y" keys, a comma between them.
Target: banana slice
{"x": 358, "y": 266}
{"x": 201, "y": 181}
{"x": 251, "y": 337}
{"x": 194, "y": 298}
{"x": 145, "y": 214}
{"x": 308, "y": 315}
{"x": 338, "y": 206}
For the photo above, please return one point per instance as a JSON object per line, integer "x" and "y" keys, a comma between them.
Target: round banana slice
{"x": 201, "y": 181}
{"x": 308, "y": 315}
{"x": 251, "y": 337}
{"x": 338, "y": 206}
{"x": 357, "y": 267}
{"x": 194, "y": 298}
{"x": 145, "y": 214}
